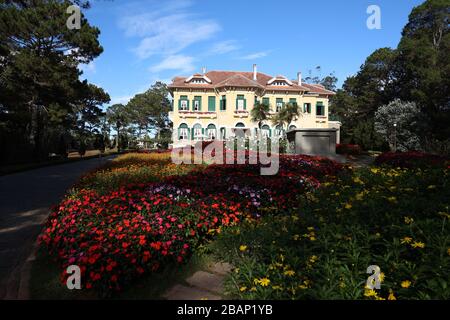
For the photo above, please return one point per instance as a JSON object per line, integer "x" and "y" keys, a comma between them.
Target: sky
{"x": 148, "y": 40}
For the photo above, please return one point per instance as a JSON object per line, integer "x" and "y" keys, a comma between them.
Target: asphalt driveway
{"x": 25, "y": 200}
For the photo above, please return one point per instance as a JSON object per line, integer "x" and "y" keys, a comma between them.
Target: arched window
{"x": 211, "y": 131}
{"x": 183, "y": 132}
{"x": 292, "y": 127}
{"x": 197, "y": 132}
{"x": 265, "y": 131}
{"x": 278, "y": 131}
{"x": 240, "y": 125}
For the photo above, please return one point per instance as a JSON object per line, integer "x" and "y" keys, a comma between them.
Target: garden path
{"x": 25, "y": 199}
{"x": 202, "y": 285}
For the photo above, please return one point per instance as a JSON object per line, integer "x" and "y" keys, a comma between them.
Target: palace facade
{"x": 212, "y": 105}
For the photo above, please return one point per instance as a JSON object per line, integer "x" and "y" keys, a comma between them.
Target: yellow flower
{"x": 374, "y": 170}
{"x": 370, "y": 293}
{"x": 253, "y": 289}
{"x": 392, "y": 199}
{"x": 418, "y": 245}
{"x": 358, "y": 180}
{"x": 243, "y": 248}
{"x": 242, "y": 289}
{"x": 431, "y": 187}
{"x": 359, "y": 196}
{"x": 348, "y": 206}
{"x": 313, "y": 259}
{"x": 381, "y": 277}
{"x": 448, "y": 251}
{"x": 295, "y": 237}
{"x": 406, "y": 284}
{"x": 289, "y": 273}
{"x": 409, "y": 220}
{"x": 391, "y": 295}
{"x": 406, "y": 240}
{"x": 264, "y": 282}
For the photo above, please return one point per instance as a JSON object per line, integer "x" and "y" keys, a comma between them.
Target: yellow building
{"x": 211, "y": 105}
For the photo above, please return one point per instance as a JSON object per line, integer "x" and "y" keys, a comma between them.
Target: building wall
{"x": 229, "y": 118}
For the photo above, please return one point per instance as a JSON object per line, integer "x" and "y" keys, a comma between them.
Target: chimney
{"x": 203, "y": 70}
{"x": 255, "y": 72}
{"x": 299, "y": 78}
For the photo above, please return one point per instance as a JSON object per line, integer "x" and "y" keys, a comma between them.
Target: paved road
{"x": 25, "y": 199}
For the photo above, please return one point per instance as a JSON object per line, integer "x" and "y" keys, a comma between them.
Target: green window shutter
{"x": 221, "y": 104}
{"x": 266, "y": 101}
{"x": 211, "y": 103}
{"x": 320, "y": 108}
{"x": 179, "y": 133}
{"x": 187, "y": 102}
{"x": 245, "y": 104}
{"x": 179, "y": 104}
{"x": 293, "y": 101}
{"x": 199, "y": 99}
{"x": 192, "y": 134}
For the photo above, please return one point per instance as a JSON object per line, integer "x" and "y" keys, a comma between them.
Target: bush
{"x": 411, "y": 159}
{"x": 348, "y": 149}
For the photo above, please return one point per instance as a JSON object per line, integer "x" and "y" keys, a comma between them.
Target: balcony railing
{"x": 198, "y": 114}
{"x": 241, "y": 113}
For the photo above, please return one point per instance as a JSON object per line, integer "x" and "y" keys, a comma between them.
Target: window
{"x": 211, "y": 104}
{"x": 278, "y": 131}
{"x": 240, "y": 102}
{"x": 307, "y": 107}
{"x": 293, "y": 101}
{"x": 266, "y": 101}
{"x": 265, "y": 131}
{"x": 183, "y": 104}
{"x": 211, "y": 132}
{"x": 197, "y": 132}
{"x": 279, "y": 83}
{"x": 183, "y": 132}
{"x": 223, "y": 133}
{"x": 320, "y": 109}
{"x": 223, "y": 103}
{"x": 279, "y": 104}
{"x": 197, "y": 103}
{"x": 198, "y": 81}
{"x": 292, "y": 127}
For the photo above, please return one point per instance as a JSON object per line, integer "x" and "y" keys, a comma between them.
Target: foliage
{"x": 397, "y": 122}
{"x": 41, "y": 96}
{"x": 394, "y": 218}
{"x": 411, "y": 159}
{"x": 348, "y": 149}
{"x": 117, "y": 231}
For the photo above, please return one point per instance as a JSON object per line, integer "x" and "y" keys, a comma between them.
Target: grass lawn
{"x": 142, "y": 223}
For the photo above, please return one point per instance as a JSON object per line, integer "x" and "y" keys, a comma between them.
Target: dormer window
{"x": 198, "y": 81}
{"x": 279, "y": 81}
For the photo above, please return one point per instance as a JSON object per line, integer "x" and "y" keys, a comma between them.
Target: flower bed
{"x": 117, "y": 231}
{"x": 411, "y": 159}
{"x": 396, "y": 219}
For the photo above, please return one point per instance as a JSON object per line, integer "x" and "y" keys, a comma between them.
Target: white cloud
{"x": 175, "y": 62}
{"x": 167, "y": 30}
{"x": 121, "y": 99}
{"x": 255, "y": 55}
{"x": 90, "y": 67}
{"x": 224, "y": 47}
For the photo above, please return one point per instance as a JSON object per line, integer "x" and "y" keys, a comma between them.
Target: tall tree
{"x": 39, "y": 63}
{"x": 423, "y": 64}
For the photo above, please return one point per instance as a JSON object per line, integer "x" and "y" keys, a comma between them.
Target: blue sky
{"x": 150, "y": 40}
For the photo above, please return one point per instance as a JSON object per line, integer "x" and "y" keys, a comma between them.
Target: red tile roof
{"x": 245, "y": 79}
